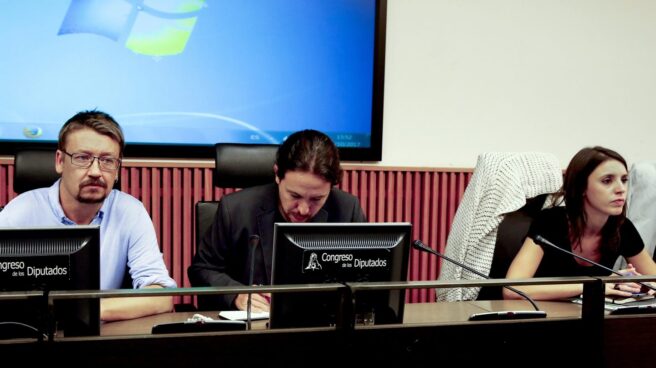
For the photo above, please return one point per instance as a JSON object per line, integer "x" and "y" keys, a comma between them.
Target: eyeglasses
{"x": 85, "y": 160}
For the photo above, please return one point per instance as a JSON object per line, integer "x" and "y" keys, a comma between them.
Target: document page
{"x": 241, "y": 315}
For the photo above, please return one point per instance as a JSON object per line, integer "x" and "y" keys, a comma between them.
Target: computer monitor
{"x": 49, "y": 258}
{"x": 310, "y": 253}
{"x": 194, "y": 73}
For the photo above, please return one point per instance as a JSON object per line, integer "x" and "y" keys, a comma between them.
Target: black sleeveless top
{"x": 551, "y": 223}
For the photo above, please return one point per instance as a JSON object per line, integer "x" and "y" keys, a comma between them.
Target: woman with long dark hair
{"x": 592, "y": 224}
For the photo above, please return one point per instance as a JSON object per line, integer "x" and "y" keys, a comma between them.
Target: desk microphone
{"x": 253, "y": 242}
{"x": 537, "y": 313}
{"x": 624, "y": 310}
{"x": 540, "y": 240}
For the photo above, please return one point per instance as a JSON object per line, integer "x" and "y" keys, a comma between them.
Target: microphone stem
{"x": 544, "y": 241}
{"x": 521, "y": 293}
{"x": 539, "y": 239}
{"x": 253, "y": 242}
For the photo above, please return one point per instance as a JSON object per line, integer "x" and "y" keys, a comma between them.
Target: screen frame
{"x": 289, "y": 309}
{"x": 186, "y": 151}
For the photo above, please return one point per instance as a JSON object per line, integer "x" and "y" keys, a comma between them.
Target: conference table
{"x": 415, "y": 314}
{"x": 438, "y": 333}
{"x": 431, "y": 333}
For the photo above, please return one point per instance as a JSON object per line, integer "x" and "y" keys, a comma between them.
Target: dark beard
{"x": 90, "y": 200}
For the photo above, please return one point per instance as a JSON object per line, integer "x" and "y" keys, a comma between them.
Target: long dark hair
{"x": 573, "y": 192}
{"x": 310, "y": 151}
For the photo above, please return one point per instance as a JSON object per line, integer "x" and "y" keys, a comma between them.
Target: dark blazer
{"x": 222, "y": 258}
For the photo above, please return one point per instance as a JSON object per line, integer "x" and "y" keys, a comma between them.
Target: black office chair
{"x": 510, "y": 237}
{"x": 236, "y": 166}
{"x": 34, "y": 169}
{"x": 244, "y": 165}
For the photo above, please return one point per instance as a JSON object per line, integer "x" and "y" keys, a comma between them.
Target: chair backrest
{"x": 244, "y": 165}
{"x": 34, "y": 169}
{"x": 500, "y": 184}
{"x": 510, "y": 237}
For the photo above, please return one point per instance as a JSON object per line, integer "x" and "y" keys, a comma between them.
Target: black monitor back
{"x": 312, "y": 253}
{"x": 47, "y": 259}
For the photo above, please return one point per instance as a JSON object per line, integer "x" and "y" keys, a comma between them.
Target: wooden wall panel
{"x": 427, "y": 198}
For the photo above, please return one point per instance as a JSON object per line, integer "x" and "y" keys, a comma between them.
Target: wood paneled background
{"x": 425, "y": 197}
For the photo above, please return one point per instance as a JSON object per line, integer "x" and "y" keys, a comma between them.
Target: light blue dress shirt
{"x": 127, "y": 235}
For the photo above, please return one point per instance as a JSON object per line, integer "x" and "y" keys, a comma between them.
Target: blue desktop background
{"x": 250, "y": 71}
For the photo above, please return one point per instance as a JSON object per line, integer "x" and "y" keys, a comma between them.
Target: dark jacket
{"x": 222, "y": 258}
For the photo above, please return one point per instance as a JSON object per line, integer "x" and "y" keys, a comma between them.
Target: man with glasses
{"x": 88, "y": 159}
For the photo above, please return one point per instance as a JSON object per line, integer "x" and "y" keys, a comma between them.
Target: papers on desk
{"x": 198, "y": 323}
{"x": 241, "y": 315}
{"x": 631, "y": 300}
{"x": 613, "y": 306}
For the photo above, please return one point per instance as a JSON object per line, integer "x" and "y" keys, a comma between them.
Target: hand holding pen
{"x": 628, "y": 289}
{"x": 259, "y": 302}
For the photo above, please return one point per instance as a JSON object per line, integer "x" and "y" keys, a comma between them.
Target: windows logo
{"x": 149, "y": 27}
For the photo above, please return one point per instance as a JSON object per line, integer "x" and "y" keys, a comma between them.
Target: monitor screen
{"x": 311, "y": 253}
{"x": 182, "y": 75}
{"x": 53, "y": 258}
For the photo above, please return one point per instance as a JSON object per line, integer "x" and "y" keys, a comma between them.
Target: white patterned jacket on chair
{"x": 500, "y": 184}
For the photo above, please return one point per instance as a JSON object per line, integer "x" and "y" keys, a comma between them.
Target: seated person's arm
{"x": 525, "y": 265}
{"x": 643, "y": 263}
{"x": 147, "y": 270}
{"x": 114, "y": 309}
